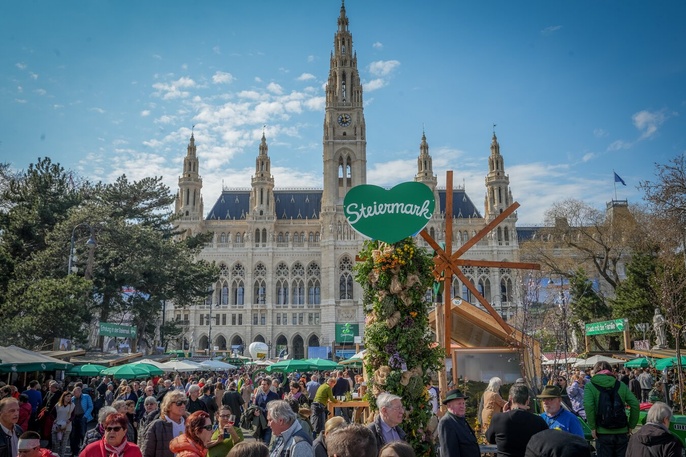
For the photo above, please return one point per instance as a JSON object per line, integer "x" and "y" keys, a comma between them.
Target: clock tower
{"x": 345, "y": 136}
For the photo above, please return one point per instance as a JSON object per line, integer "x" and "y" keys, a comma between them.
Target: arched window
{"x": 311, "y": 237}
{"x": 346, "y": 286}
{"x": 313, "y": 292}
{"x": 222, "y": 238}
{"x": 225, "y": 294}
{"x": 279, "y": 238}
{"x": 282, "y": 292}
{"x": 264, "y": 236}
{"x": 238, "y": 292}
{"x": 257, "y": 236}
{"x": 298, "y": 292}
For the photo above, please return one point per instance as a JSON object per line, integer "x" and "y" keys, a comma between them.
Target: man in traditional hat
{"x": 555, "y": 415}
{"x": 511, "y": 431}
{"x": 455, "y": 436}
{"x": 29, "y": 446}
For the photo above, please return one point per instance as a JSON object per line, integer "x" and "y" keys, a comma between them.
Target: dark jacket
{"x": 319, "y": 446}
{"x": 511, "y": 431}
{"x": 233, "y": 400}
{"x": 592, "y": 394}
{"x": 144, "y": 423}
{"x": 375, "y": 427}
{"x": 157, "y": 438}
{"x": 6, "y": 441}
{"x": 557, "y": 443}
{"x": 656, "y": 438}
{"x": 456, "y": 437}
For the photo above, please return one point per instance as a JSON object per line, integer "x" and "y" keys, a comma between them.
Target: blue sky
{"x": 576, "y": 88}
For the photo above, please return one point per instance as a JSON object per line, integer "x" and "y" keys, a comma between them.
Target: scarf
{"x": 117, "y": 451}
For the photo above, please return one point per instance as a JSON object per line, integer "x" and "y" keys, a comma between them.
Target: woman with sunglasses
{"x": 171, "y": 423}
{"x": 193, "y": 443}
{"x": 113, "y": 442}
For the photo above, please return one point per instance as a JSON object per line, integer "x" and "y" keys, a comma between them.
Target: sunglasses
{"x": 225, "y": 416}
{"x": 207, "y": 427}
{"x": 180, "y": 403}
{"x": 113, "y": 429}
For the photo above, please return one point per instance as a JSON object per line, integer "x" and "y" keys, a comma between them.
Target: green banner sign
{"x": 604, "y": 327}
{"x": 389, "y": 215}
{"x": 346, "y": 333}
{"x": 116, "y": 330}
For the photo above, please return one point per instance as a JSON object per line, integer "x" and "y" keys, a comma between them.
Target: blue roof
{"x": 526, "y": 233}
{"x": 306, "y": 204}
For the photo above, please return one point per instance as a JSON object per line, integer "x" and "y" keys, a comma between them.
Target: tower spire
{"x": 189, "y": 200}
{"x": 498, "y": 193}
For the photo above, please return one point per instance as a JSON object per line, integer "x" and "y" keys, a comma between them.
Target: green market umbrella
{"x": 89, "y": 369}
{"x": 322, "y": 364}
{"x": 668, "y": 362}
{"x": 20, "y": 360}
{"x": 152, "y": 369}
{"x": 289, "y": 366}
{"x": 639, "y": 362}
{"x": 128, "y": 371}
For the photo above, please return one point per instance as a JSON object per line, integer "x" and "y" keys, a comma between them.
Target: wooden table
{"x": 361, "y": 409}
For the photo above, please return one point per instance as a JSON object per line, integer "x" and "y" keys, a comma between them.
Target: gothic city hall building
{"x": 286, "y": 256}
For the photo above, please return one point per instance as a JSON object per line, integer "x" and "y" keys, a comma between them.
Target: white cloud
{"x": 222, "y": 77}
{"x": 599, "y": 133}
{"x": 33, "y": 75}
{"x": 57, "y": 106}
{"x": 275, "y": 88}
{"x": 216, "y": 50}
{"x": 383, "y": 67}
{"x": 20, "y": 89}
{"x": 165, "y": 119}
{"x": 311, "y": 58}
{"x": 20, "y": 100}
{"x": 618, "y": 145}
{"x": 588, "y": 156}
{"x": 305, "y": 77}
{"x": 377, "y": 45}
{"x": 647, "y": 123}
{"x": 374, "y": 84}
{"x": 98, "y": 110}
{"x": 172, "y": 90}
{"x": 550, "y": 30}
{"x": 40, "y": 91}
{"x": 21, "y": 65}
{"x": 184, "y": 67}
{"x": 258, "y": 79}
{"x": 145, "y": 113}
{"x": 157, "y": 57}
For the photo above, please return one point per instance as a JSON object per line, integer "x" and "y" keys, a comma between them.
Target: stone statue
{"x": 659, "y": 324}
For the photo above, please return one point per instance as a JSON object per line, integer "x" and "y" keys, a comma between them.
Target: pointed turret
{"x": 345, "y": 140}
{"x": 262, "y": 195}
{"x": 498, "y": 193}
{"x": 189, "y": 202}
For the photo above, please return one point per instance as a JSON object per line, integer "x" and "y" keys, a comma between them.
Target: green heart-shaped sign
{"x": 389, "y": 215}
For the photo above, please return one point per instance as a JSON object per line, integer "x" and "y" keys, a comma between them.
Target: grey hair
{"x": 384, "y": 400}
{"x": 194, "y": 388}
{"x": 118, "y": 404}
{"x": 280, "y": 409}
{"x": 659, "y": 412}
{"x": 494, "y": 384}
{"x": 150, "y": 400}
{"x": 104, "y": 412}
{"x": 519, "y": 393}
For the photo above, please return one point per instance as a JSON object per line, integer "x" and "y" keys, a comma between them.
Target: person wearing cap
{"x": 511, "y": 431}
{"x": 455, "y": 437}
{"x": 29, "y": 446}
{"x": 557, "y": 417}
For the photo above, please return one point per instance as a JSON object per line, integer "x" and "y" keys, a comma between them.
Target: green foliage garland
{"x": 401, "y": 352}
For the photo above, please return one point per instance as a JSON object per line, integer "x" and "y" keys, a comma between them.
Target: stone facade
{"x": 286, "y": 255}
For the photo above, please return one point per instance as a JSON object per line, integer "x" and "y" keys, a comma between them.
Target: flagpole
{"x": 614, "y": 181}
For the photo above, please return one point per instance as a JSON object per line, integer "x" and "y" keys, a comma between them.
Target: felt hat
{"x": 550, "y": 392}
{"x": 454, "y": 395}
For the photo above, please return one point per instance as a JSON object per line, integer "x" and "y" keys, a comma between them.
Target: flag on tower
{"x": 618, "y": 179}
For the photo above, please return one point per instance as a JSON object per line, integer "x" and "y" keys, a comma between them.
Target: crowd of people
{"x": 205, "y": 416}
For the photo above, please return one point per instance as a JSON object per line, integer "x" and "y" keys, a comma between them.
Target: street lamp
{"x": 91, "y": 243}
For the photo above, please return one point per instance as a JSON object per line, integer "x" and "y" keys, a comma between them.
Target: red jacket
{"x": 183, "y": 447}
{"x": 97, "y": 449}
{"x": 24, "y": 415}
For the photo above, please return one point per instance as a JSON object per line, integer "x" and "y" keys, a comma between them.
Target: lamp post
{"x": 209, "y": 337}
{"x": 91, "y": 243}
{"x": 269, "y": 349}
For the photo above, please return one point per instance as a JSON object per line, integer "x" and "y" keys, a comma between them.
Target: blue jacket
{"x": 87, "y": 405}
{"x": 565, "y": 421}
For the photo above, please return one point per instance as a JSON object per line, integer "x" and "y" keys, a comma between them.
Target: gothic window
{"x": 455, "y": 289}
{"x": 257, "y": 236}
{"x": 239, "y": 237}
{"x": 313, "y": 292}
{"x": 238, "y": 270}
{"x": 260, "y": 292}
{"x": 316, "y": 237}
{"x": 485, "y": 288}
{"x": 282, "y": 292}
{"x": 313, "y": 270}
{"x": 202, "y": 319}
{"x": 298, "y": 292}
{"x": 298, "y": 269}
{"x": 311, "y": 237}
{"x": 238, "y": 293}
{"x": 507, "y": 235}
{"x": 285, "y": 238}
{"x": 282, "y": 270}
{"x": 222, "y": 238}
{"x": 264, "y": 236}
{"x": 466, "y": 293}
{"x": 223, "y": 270}
{"x": 346, "y": 286}
{"x": 225, "y": 294}
{"x": 432, "y": 233}
{"x": 500, "y": 235}
{"x": 279, "y": 238}
{"x": 506, "y": 290}
{"x": 260, "y": 270}
{"x": 278, "y": 318}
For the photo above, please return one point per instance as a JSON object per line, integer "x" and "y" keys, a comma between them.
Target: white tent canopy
{"x": 159, "y": 365}
{"x": 591, "y": 361}
{"x": 181, "y": 366}
{"x": 217, "y": 365}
